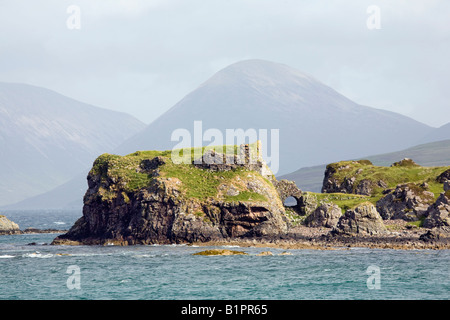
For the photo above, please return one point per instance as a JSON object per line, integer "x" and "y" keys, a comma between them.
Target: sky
{"x": 142, "y": 57}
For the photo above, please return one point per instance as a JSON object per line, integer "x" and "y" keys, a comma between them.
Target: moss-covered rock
{"x": 145, "y": 198}
{"x": 219, "y": 252}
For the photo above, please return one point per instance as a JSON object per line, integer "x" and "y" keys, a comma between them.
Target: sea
{"x": 32, "y": 269}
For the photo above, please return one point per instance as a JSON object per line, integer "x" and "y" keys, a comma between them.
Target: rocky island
{"x": 233, "y": 197}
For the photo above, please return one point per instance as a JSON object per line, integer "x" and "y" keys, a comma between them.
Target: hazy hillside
{"x": 316, "y": 123}
{"x": 430, "y": 154}
{"x": 46, "y": 138}
{"x": 441, "y": 133}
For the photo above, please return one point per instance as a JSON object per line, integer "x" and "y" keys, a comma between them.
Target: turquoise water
{"x": 172, "y": 272}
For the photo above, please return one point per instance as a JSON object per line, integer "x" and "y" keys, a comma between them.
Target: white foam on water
{"x": 37, "y": 254}
{"x": 6, "y": 256}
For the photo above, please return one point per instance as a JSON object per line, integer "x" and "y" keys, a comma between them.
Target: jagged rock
{"x": 443, "y": 176}
{"x": 362, "y": 220}
{"x": 348, "y": 184}
{"x": 326, "y": 215}
{"x": 123, "y": 207}
{"x": 307, "y": 204}
{"x": 8, "y": 227}
{"x": 408, "y": 202}
{"x": 446, "y": 185}
{"x": 364, "y": 187}
{"x": 438, "y": 214}
{"x": 430, "y": 236}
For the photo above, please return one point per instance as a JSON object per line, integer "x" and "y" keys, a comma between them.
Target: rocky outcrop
{"x": 307, "y": 204}
{"x": 326, "y": 215}
{"x": 408, "y": 202}
{"x": 8, "y": 227}
{"x": 438, "y": 214}
{"x": 444, "y": 176}
{"x": 136, "y": 200}
{"x": 446, "y": 185}
{"x": 362, "y": 220}
{"x": 344, "y": 178}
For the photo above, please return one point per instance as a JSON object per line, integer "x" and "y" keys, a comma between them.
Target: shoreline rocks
{"x": 8, "y": 227}
{"x": 363, "y": 219}
{"x": 326, "y": 215}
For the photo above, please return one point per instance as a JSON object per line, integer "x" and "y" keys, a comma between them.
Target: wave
{"x": 37, "y": 254}
{"x": 6, "y": 256}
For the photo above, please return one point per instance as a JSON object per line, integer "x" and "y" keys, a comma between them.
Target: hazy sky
{"x": 142, "y": 57}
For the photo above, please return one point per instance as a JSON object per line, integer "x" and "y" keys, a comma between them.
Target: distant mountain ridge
{"x": 46, "y": 138}
{"x": 316, "y": 123}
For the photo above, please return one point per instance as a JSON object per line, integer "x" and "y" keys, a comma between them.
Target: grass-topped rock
{"x": 147, "y": 197}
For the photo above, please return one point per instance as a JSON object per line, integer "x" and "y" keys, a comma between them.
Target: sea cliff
{"x": 233, "y": 197}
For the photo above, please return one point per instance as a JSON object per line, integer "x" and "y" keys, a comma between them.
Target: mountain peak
{"x": 259, "y": 72}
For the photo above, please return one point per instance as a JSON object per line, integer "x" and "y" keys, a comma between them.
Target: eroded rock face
{"x": 161, "y": 212}
{"x": 307, "y": 204}
{"x": 408, "y": 202}
{"x": 8, "y": 227}
{"x": 362, "y": 220}
{"x": 326, "y": 215}
{"x": 438, "y": 214}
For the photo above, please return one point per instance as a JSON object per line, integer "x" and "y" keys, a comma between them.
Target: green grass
{"x": 124, "y": 173}
{"x": 246, "y": 196}
{"x": 392, "y": 176}
{"x": 343, "y": 200}
{"x": 198, "y": 183}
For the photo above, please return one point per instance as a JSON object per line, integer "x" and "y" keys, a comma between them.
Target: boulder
{"x": 307, "y": 204}
{"x": 438, "y": 214}
{"x": 8, "y": 227}
{"x": 362, "y": 220}
{"x": 443, "y": 176}
{"x": 408, "y": 202}
{"x": 446, "y": 185}
{"x": 326, "y": 215}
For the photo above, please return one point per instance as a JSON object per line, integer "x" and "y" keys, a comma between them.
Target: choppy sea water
{"x": 171, "y": 271}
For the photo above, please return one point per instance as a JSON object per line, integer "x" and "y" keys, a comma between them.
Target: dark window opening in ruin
{"x": 290, "y": 202}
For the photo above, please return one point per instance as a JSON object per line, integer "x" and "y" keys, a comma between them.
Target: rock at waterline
{"x": 219, "y": 252}
{"x": 8, "y": 227}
